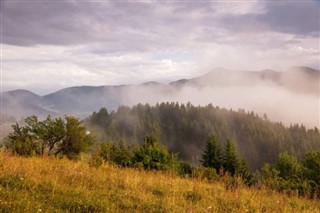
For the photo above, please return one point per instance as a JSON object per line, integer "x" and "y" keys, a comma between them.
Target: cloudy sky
{"x": 48, "y": 45}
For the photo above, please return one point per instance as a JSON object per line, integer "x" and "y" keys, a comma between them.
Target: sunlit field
{"x": 43, "y": 184}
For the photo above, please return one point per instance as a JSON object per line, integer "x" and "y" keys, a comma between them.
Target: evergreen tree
{"x": 212, "y": 156}
{"x": 311, "y": 163}
{"x": 122, "y": 155}
{"x": 231, "y": 161}
{"x": 76, "y": 139}
{"x": 107, "y": 151}
{"x": 289, "y": 167}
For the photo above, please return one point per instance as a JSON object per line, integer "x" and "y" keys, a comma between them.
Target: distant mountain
{"x": 83, "y": 100}
{"x": 298, "y": 79}
{"x": 19, "y": 103}
{"x": 302, "y": 79}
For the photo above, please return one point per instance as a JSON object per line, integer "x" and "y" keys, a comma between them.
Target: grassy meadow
{"x": 48, "y": 184}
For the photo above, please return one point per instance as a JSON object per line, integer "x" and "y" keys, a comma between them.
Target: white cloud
{"x": 121, "y": 42}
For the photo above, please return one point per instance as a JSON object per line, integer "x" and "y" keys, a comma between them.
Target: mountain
{"x": 83, "y": 100}
{"x": 19, "y": 103}
{"x": 297, "y": 79}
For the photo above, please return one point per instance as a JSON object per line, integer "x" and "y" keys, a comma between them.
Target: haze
{"x": 50, "y": 45}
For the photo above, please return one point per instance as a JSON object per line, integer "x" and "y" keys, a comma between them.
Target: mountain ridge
{"x": 85, "y": 99}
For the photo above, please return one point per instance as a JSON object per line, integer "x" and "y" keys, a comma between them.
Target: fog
{"x": 281, "y": 104}
{"x": 287, "y": 97}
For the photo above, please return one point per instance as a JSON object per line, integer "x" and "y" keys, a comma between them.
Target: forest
{"x": 184, "y": 129}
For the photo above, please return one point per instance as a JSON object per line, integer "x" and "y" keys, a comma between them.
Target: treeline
{"x": 184, "y": 128}
{"x": 153, "y": 155}
{"x": 288, "y": 174}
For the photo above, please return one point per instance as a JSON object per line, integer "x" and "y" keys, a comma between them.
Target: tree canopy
{"x": 184, "y": 128}
{"x": 52, "y": 136}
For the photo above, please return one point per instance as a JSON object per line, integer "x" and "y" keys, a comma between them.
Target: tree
{"x": 100, "y": 118}
{"x": 152, "y": 155}
{"x": 50, "y": 136}
{"x": 22, "y": 142}
{"x": 107, "y": 150}
{"x": 311, "y": 162}
{"x": 290, "y": 174}
{"x": 76, "y": 139}
{"x": 122, "y": 155}
{"x": 232, "y": 163}
{"x": 288, "y": 166}
{"x": 212, "y": 156}
{"x": 50, "y": 132}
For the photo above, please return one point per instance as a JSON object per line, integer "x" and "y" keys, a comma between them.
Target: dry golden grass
{"x": 59, "y": 185}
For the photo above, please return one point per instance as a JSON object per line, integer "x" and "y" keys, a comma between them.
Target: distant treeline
{"x": 184, "y": 129}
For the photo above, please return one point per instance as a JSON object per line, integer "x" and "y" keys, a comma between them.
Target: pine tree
{"x": 231, "y": 161}
{"x": 212, "y": 156}
{"x": 76, "y": 139}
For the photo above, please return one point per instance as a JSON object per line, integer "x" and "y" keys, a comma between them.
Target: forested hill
{"x": 184, "y": 129}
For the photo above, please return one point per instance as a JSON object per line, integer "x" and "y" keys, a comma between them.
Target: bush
{"x": 185, "y": 169}
{"x": 152, "y": 155}
{"x": 205, "y": 173}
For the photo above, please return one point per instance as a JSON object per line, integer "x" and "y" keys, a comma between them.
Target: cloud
{"x": 300, "y": 18}
{"x": 112, "y": 42}
{"x": 124, "y": 24}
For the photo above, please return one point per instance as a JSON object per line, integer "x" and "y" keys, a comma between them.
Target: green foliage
{"x": 51, "y": 132}
{"x": 293, "y": 175}
{"x": 184, "y": 128}
{"x": 232, "y": 163}
{"x": 212, "y": 155}
{"x": 122, "y": 155}
{"x": 205, "y": 173}
{"x": 50, "y": 136}
{"x": 311, "y": 162}
{"x": 226, "y": 160}
{"x": 152, "y": 155}
{"x": 106, "y": 151}
{"x": 288, "y": 166}
{"x": 119, "y": 154}
{"x": 101, "y": 117}
{"x": 76, "y": 139}
{"x": 185, "y": 169}
{"x": 22, "y": 141}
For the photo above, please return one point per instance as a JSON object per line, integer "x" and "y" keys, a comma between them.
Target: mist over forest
{"x": 289, "y": 97}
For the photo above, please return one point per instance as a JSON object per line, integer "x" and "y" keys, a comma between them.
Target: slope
{"x": 59, "y": 185}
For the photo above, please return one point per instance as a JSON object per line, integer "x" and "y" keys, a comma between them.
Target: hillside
{"x": 59, "y": 185}
{"x": 184, "y": 129}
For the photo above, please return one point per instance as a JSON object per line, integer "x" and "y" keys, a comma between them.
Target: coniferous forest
{"x": 184, "y": 129}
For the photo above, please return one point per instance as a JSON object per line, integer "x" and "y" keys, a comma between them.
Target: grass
{"x": 43, "y": 184}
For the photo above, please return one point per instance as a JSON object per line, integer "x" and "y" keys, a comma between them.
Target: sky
{"x": 53, "y": 44}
